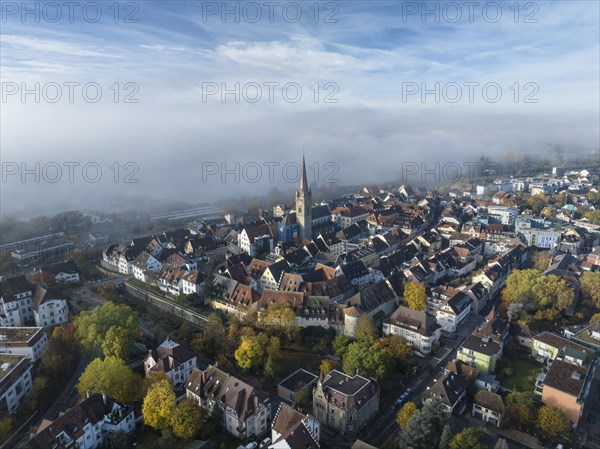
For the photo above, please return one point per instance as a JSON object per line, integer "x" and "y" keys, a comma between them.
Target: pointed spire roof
{"x": 303, "y": 181}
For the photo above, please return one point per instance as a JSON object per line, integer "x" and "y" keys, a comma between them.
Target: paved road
{"x": 385, "y": 426}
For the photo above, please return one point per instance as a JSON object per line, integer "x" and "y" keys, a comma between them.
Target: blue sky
{"x": 368, "y": 52}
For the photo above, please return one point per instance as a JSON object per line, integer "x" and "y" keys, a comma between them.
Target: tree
{"x": 415, "y": 295}
{"x": 397, "y": 346}
{"x": 521, "y": 407}
{"x": 158, "y": 408}
{"x": 593, "y": 216}
{"x": 469, "y": 438}
{"x": 340, "y": 345}
{"x": 367, "y": 360}
{"x": 274, "y": 348}
{"x": 446, "y": 438}
{"x": 187, "y": 419}
{"x": 208, "y": 287}
{"x": 366, "y": 330}
{"x": 61, "y": 353}
{"x": 6, "y": 425}
{"x": 120, "y": 440}
{"x": 541, "y": 260}
{"x": 405, "y": 413}
{"x": 327, "y": 365}
{"x": 116, "y": 343}
{"x": 425, "y": 427}
{"x": 501, "y": 444}
{"x": 303, "y": 398}
{"x": 594, "y": 318}
{"x": 548, "y": 295}
{"x": 282, "y": 319}
{"x": 590, "y": 288}
{"x": 93, "y": 327}
{"x": 553, "y": 421}
{"x": 112, "y": 377}
{"x": 250, "y": 353}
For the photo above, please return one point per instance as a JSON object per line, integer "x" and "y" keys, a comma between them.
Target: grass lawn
{"x": 524, "y": 374}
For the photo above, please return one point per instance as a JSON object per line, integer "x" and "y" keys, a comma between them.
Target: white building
{"x": 88, "y": 425}
{"x": 291, "y": 429}
{"x": 28, "y": 341}
{"x": 256, "y": 240}
{"x": 450, "y": 307}
{"x": 143, "y": 263}
{"x": 15, "y": 381}
{"x": 49, "y": 308}
{"x": 174, "y": 359}
{"x": 16, "y": 301}
{"x": 417, "y": 327}
{"x": 503, "y": 215}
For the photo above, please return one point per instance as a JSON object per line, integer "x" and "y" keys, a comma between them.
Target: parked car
{"x": 251, "y": 445}
{"x": 265, "y": 443}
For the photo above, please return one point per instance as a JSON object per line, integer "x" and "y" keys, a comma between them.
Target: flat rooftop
{"x": 297, "y": 380}
{"x": 7, "y": 362}
{"x": 17, "y": 334}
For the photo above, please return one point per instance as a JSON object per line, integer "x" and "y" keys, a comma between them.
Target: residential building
{"x": 144, "y": 263}
{"x": 419, "y": 329}
{"x": 28, "y": 341}
{"x": 16, "y": 301}
{"x": 588, "y": 336}
{"x": 535, "y": 232}
{"x": 345, "y": 217}
{"x": 66, "y": 272}
{"x": 345, "y": 403}
{"x": 49, "y": 307}
{"x": 450, "y": 307}
{"x": 482, "y": 352}
{"x": 15, "y": 381}
{"x": 246, "y": 409}
{"x": 256, "y": 240}
{"x": 546, "y": 346}
{"x": 174, "y": 359}
{"x": 489, "y": 407}
{"x": 293, "y": 430}
{"x": 567, "y": 383}
{"x": 88, "y": 425}
{"x": 502, "y": 215}
{"x": 450, "y": 390}
{"x": 295, "y": 382}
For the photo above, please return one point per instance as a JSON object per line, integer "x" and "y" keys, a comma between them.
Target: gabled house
{"x": 291, "y": 429}
{"x": 49, "y": 307}
{"x": 176, "y": 360}
{"x": 418, "y": 328}
{"x": 489, "y": 407}
{"x": 88, "y": 425}
{"x": 16, "y": 301}
{"x": 246, "y": 409}
{"x": 449, "y": 389}
{"x": 256, "y": 240}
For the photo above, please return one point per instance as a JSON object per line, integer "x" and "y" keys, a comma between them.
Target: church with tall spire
{"x": 304, "y": 207}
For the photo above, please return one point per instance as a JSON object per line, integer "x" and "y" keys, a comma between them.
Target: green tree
{"x": 250, "y": 353}
{"x": 117, "y": 343}
{"x": 367, "y": 360}
{"x": 112, "y": 377}
{"x": 187, "y": 419}
{"x": 425, "y": 427}
{"x": 366, "y": 330}
{"x": 159, "y": 407}
{"x": 208, "y": 287}
{"x": 590, "y": 288}
{"x": 404, "y": 414}
{"x": 93, "y": 326}
{"x": 415, "y": 295}
{"x": 553, "y": 421}
{"x": 593, "y": 216}
{"x": 397, "y": 346}
{"x": 594, "y": 318}
{"x": 521, "y": 407}
{"x": 470, "y": 438}
{"x": 303, "y": 398}
{"x": 274, "y": 348}
{"x": 282, "y": 319}
{"x": 340, "y": 345}
{"x": 446, "y": 438}
{"x": 327, "y": 365}
{"x": 6, "y": 425}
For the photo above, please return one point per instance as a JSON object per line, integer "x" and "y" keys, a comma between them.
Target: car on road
{"x": 251, "y": 445}
{"x": 265, "y": 443}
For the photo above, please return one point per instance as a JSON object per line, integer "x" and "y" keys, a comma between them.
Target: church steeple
{"x": 304, "y": 207}
{"x": 303, "y": 181}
